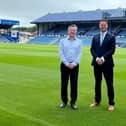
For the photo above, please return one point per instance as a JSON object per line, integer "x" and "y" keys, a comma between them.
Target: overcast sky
{"x": 27, "y": 10}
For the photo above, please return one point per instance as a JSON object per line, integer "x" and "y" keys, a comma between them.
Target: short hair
{"x": 72, "y": 25}
{"x": 103, "y": 20}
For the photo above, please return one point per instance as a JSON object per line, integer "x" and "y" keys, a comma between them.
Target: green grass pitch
{"x": 30, "y": 89}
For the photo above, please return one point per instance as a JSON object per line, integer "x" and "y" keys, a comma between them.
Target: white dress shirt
{"x": 102, "y": 36}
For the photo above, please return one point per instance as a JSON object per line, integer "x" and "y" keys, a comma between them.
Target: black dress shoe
{"x": 73, "y": 106}
{"x": 62, "y": 105}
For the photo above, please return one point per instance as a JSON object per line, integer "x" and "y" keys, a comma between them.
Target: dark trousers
{"x": 108, "y": 75}
{"x": 67, "y": 74}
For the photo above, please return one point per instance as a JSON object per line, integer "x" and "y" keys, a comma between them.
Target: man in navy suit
{"x": 102, "y": 49}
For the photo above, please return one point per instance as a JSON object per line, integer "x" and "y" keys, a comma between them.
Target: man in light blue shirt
{"x": 70, "y": 54}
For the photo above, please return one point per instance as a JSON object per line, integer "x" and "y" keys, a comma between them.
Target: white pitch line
{"x": 28, "y": 117}
{"x": 11, "y": 101}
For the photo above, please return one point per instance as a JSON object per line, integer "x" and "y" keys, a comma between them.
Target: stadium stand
{"x": 6, "y": 35}
{"x": 53, "y": 26}
{"x": 43, "y": 39}
{"x": 3, "y": 39}
{"x": 123, "y": 46}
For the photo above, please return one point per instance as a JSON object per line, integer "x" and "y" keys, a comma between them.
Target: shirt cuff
{"x": 75, "y": 64}
{"x": 97, "y": 58}
{"x": 103, "y": 59}
{"x": 65, "y": 63}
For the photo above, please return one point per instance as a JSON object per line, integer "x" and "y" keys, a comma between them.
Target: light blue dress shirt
{"x": 70, "y": 51}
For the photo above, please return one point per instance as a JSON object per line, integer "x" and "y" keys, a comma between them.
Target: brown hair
{"x": 72, "y": 25}
{"x": 104, "y": 20}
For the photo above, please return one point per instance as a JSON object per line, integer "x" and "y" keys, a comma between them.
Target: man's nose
{"x": 72, "y": 31}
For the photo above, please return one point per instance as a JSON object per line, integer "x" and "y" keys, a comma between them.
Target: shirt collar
{"x": 104, "y": 33}
{"x": 72, "y": 39}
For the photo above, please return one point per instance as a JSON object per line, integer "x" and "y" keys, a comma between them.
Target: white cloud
{"x": 28, "y": 10}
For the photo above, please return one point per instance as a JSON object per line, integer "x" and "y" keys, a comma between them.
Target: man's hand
{"x": 71, "y": 66}
{"x": 100, "y": 61}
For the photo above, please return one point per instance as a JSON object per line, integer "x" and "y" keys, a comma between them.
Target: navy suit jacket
{"x": 106, "y": 50}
